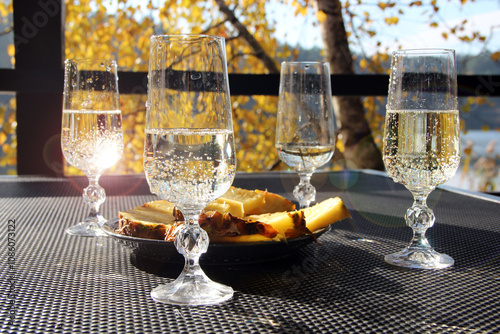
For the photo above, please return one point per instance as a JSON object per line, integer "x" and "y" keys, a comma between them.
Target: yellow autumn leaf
{"x": 362, "y": 64}
{"x": 495, "y": 56}
{"x": 340, "y": 145}
{"x": 3, "y": 10}
{"x": 11, "y": 50}
{"x": 321, "y": 16}
{"x": 3, "y": 138}
{"x": 391, "y": 20}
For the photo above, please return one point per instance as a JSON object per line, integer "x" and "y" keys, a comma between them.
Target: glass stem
{"x": 305, "y": 192}
{"x": 420, "y": 217}
{"x": 94, "y": 195}
{"x": 192, "y": 241}
{"x": 305, "y": 177}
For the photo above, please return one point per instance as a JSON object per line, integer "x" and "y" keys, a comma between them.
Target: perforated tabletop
{"x": 52, "y": 282}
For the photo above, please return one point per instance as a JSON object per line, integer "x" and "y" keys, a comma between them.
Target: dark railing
{"x": 38, "y": 83}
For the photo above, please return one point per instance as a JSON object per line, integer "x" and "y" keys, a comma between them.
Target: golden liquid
{"x": 421, "y": 147}
{"x": 303, "y": 157}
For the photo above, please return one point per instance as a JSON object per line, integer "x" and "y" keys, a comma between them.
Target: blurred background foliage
{"x": 120, "y": 29}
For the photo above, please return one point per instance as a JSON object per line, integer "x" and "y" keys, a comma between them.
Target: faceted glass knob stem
{"x": 305, "y": 192}
{"x": 94, "y": 195}
{"x": 419, "y": 253}
{"x": 191, "y": 241}
{"x": 192, "y": 287}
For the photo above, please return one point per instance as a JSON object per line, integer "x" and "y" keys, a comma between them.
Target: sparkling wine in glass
{"x": 91, "y": 137}
{"x": 421, "y": 141}
{"x": 189, "y": 156}
{"x": 305, "y": 129}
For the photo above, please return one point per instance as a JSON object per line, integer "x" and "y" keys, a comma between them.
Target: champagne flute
{"x": 421, "y": 141}
{"x": 305, "y": 127}
{"x": 189, "y": 156}
{"x": 92, "y": 137}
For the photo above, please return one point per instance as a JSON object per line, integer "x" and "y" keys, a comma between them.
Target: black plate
{"x": 217, "y": 253}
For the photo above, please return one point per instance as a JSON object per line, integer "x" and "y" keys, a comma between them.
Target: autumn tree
{"x": 253, "y": 49}
{"x": 121, "y": 29}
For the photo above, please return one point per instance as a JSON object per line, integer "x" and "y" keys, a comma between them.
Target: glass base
{"x": 88, "y": 228}
{"x": 420, "y": 259}
{"x": 192, "y": 291}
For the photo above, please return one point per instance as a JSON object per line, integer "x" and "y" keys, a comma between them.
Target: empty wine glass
{"x": 189, "y": 156}
{"x": 91, "y": 137}
{"x": 305, "y": 127}
{"x": 421, "y": 141}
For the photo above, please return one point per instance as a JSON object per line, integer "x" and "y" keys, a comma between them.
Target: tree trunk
{"x": 354, "y": 131}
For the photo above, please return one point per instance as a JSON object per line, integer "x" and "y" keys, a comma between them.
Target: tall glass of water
{"x": 305, "y": 127}
{"x": 91, "y": 137}
{"x": 422, "y": 141}
{"x": 189, "y": 156}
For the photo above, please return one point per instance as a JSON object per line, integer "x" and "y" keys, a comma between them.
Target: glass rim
{"x": 89, "y": 60}
{"x": 424, "y": 51}
{"x": 302, "y": 62}
{"x": 180, "y": 37}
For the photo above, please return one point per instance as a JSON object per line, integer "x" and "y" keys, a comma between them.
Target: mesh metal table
{"x": 52, "y": 282}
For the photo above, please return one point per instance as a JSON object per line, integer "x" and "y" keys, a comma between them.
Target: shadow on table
{"x": 320, "y": 271}
{"x": 326, "y": 279}
{"x": 348, "y": 277}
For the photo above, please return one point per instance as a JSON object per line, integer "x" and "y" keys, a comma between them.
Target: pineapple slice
{"x": 227, "y": 205}
{"x": 325, "y": 213}
{"x": 238, "y": 202}
{"x": 159, "y": 206}
{"x": 296, "y": 223}
{"x": 273, "y": 218}
{"x": 145, "y": 223}
{"x": 283, "y": 222}
{"x": 272, "y": 203}
{"x": 251, "y": 200}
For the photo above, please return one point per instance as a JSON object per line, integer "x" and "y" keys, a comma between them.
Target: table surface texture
{"x": 56, "y": 283}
